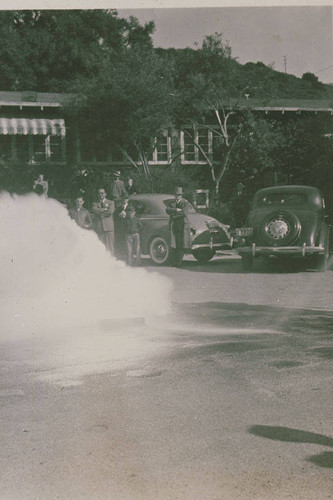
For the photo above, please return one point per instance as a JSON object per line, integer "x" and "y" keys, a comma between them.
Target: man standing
{"x": 44, "y": 185}
{"x": 119, "y": 192}
{"x": 119, "y": 229}
{"x": 179, "y": 226}
{"x": 103, "y": 210}
{"x": 80, "y": 214}
{"x": 133, "y": 227}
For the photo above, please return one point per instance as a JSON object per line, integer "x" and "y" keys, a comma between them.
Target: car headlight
{"x": 212, "y": 224}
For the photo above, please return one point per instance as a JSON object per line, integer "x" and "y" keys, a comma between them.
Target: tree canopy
{"x": 47, "y": 50}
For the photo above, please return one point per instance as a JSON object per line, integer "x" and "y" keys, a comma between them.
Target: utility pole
{"x": 285, "y": 63}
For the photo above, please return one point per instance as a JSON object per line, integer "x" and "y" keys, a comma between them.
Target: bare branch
{"x": 128, "y": 157}
{"x": 226, "y": 161}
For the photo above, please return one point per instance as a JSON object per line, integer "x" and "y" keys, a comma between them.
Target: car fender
{"x": 323, "y": 239}
{"x": 156, "y": 229}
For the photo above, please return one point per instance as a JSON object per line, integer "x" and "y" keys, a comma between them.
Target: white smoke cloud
{"x": 55, "y": 275}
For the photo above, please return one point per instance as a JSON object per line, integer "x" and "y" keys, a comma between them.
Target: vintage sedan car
{"x": 286, "y": 221}
{"x": 208, "y": 234}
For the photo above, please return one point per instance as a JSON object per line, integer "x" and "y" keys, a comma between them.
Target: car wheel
{"x": 203, "y": 254}
{"x": 159, "y": 251}
{"x": 279, "y": 228}
{"x": 247, "y": 263}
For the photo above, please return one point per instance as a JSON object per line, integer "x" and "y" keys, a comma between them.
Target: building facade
{"x": 34, "y": 129}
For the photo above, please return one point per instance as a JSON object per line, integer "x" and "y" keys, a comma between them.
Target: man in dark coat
{"x": 119, "y": 229}
{"x": 132, "y": 228}
{"x": 119, "y": 192}
{"x": 179, "y": 226}
{"x": 80, "y": 214}
{"x": 103, "y": 210}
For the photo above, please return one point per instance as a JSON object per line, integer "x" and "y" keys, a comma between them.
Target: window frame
{"x": 155, "y": 160}
{"x": 31, "y": 151}
{"x": 196, "y": 128}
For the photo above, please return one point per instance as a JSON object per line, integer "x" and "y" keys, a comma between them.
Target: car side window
{"x": 141, "y": 208}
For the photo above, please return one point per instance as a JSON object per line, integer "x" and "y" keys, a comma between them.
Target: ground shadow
{"x": 232, "y": 264}
{"x": 324, "y": 459}
{"x": 290, "y": 435}
{"x": 241, "y": 314}
{"x": 261, "y": 266}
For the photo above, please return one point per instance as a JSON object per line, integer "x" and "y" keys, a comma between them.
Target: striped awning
{"x": 32, "y": 126}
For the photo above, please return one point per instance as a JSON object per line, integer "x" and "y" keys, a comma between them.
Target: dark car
{"x": 208, "y": 234}
{"x": 286, "y": 221}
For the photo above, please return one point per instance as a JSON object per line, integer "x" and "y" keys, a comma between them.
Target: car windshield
{"x": 171, "y": 203}
{"x": 290, "y": 199}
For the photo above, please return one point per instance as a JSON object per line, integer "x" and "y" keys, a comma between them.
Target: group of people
{"x": 115, "y": 221}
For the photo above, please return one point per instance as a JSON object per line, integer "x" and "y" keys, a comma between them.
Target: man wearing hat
{"x": 119, "y": 192}
{"x": 179, "y": 226}
{"x": 103, "y": 210}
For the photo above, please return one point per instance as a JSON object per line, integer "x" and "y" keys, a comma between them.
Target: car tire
{"x": 247, "y": 263}
{"x": 159, "y": 251}
{"x": 291, "y": 228}
{"x": 203, "y": 254}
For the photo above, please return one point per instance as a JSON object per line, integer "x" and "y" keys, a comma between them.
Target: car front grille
{"x": 216, "y": 236}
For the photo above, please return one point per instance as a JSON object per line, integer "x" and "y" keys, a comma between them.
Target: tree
{"x": 211, "y": 98}
{"x": 131, "y": 98}
{"x": 46, "y": 50}
{"x": 307, "y": 155}
{"x": 313, "y": 80}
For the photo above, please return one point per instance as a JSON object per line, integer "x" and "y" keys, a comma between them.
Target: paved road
{"x": 229, "y": 397}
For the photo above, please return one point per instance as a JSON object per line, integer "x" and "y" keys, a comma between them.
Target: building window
{"x": 158, "y": 152}
{"x": 189, "y": 149}
{"x": 95, "y": 148}
{"x": 204, "y": 140}
{"x": 33, "y": 148}
{"x": 56, "y": 148}
{"x": 162, "y": 149}
{"x": 198, "y": 143}
{"x": 39, "y": 148}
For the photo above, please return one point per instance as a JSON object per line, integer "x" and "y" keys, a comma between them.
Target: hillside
{"x": 261, "y": 80}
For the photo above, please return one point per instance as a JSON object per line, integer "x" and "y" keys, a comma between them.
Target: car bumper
{"x": 213, "y": 245}
{"x": 300, "y": 251}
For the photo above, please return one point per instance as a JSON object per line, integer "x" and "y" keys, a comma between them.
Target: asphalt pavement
{"x": 229, "y": 396}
